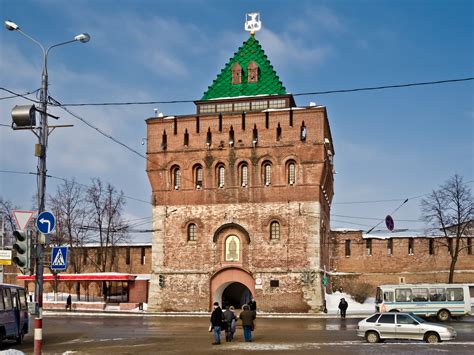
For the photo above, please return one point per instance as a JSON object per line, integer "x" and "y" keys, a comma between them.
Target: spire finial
{"x": 253, "y": 23}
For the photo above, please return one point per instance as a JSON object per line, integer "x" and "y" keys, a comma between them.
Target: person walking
{"x": 253, "y": 306}
{"x": 69, "y": 303}
{"x": 343, "y": 307}
{"x": 229, "y": 317}
{"x": 216, "y": 323}
{"x": 247, "y": 317}
{"x": 233, "y": 325}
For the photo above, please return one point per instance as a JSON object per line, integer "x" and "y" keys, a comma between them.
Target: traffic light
{"x": 23, "y": 250}
{"x": 325, "y": 280}
{"x": 161, "y": 281}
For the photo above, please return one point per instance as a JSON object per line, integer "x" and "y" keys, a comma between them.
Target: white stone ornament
{"x": 252, "y": 22}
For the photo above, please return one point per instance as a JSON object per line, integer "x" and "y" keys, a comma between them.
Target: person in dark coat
{"x": 247, "y": 317}
{"x": 69, "y": 303}
{"x": 216, "y": 323}
{"x": 253, "y": 305}
{"x": 229, "y": 317}
{"x": 343, "y": 307}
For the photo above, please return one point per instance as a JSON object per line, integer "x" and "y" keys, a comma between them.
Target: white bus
{"x": 441, "y": 300}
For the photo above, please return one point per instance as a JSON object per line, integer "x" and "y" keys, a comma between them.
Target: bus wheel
{"x": 19, "y": 338}
{"x": 444, "y": 315}
{"x": 432, "y": 337}
{"x": 372, "y": 337}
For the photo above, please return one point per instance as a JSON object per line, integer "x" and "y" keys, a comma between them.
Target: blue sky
{"x": 390, "y": 144}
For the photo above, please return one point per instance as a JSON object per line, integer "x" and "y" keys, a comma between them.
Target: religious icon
{"x": 232, "y": 246}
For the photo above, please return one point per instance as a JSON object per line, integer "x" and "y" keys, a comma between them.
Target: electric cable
{"x": 324, "y": 92}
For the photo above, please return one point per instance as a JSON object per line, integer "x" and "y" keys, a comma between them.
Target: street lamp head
{"x": 11, "y": 26}
{"x": 83, "y": 37}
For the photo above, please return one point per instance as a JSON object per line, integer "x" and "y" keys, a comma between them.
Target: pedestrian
{"x": 233, "y": 325}
{"x": 69, "y": 303}
{"x": 247, "y": 317}
{"x": 216, "y": 323}
{"x": 229, "y": 317}
{"x": 253, "y": 305}
{"x": 343, "y": 307}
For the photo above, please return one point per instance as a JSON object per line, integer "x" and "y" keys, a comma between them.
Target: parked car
{"x": 395, "y": 325}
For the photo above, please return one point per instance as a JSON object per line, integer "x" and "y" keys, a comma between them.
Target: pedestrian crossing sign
{"x": 59, "y": 258}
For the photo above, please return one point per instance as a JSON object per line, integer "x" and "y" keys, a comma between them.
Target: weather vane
{"x": 252, "y": 22}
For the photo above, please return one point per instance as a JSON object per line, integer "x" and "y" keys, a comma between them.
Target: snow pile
{"x": 332, "y": 303}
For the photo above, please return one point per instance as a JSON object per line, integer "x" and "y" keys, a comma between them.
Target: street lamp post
{"x": 43, "y": 132}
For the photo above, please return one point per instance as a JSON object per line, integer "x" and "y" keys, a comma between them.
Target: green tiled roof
{"x": 268, "y": 81}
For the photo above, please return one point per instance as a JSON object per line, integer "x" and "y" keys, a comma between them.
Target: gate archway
{"x": 233, "y": 284}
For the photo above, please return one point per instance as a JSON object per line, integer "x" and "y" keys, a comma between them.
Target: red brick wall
{"x": 381, "y": 268}
{"x": 302, "y": 209}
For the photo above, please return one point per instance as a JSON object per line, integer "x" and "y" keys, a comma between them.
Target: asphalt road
{"x": 141, "y": 334}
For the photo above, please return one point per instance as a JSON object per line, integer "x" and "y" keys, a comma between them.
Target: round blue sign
{"x": 46, "y": 222}
{"x": 389, "y": 223}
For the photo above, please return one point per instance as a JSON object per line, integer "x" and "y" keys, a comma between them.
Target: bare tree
{"x": 106, "y": 205}
{"x": 69, "y": 207}
{"x": 6, "y": 211}
{"x": 449, "y": 210}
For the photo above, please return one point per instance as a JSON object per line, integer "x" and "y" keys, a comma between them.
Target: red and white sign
{"x": 22, "y": 218}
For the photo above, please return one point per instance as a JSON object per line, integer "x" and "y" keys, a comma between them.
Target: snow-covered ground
{"x": 332, "y": 303}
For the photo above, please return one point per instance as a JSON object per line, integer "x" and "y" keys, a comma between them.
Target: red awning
{"x": 82, "y": 277}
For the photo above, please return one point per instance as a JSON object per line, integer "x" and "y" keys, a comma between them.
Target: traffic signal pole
{"x": 41, "y": 148}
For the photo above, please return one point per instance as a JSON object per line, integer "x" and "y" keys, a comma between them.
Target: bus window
{"x": 420, "y": 295}
{"x": 403, "y": 294}
{"x": 437, "y": 294}
{"x": 455, "y": 294}
{"x": 7, "y": 299}
{"x": 22, "y": 295}
{"x": 2, "y": 307}
{"x": 388, "y": 296}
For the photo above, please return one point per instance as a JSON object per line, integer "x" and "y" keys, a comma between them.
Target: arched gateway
{"x": 233, "y": 286}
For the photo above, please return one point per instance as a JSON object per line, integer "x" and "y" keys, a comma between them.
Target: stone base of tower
{"x": 273, "y": 292}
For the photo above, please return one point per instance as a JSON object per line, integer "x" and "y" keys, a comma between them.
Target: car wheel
{"x": 394, "y": 310}
{"x": 372, "y": 337}
{"x": 444, "y": 315}
{"x": 432, "y": 338}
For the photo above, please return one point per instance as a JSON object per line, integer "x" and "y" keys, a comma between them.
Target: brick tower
{"x": 241, "y": 195}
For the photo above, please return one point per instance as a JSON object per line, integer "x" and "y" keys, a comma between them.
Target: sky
{"x": 390, "y": 145}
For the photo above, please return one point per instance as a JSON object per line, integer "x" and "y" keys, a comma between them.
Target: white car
{"x": 395, "y": 325}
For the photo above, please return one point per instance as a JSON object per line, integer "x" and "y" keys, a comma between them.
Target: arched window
{"x": 192, "y": 232}
{"x": 267, "y": 173}
{"x": 221, "y": 176}
{"x": 232, "y": 248}
{"x": 198, "y": 176}
{"x": 252, "y": 70}
{"x": 176, "y": 175}
{"x": 291, "y": 173}
{"x": 244, "y": 175}
{"x": 275, "y": 230}
{"x": 236, "y": 74}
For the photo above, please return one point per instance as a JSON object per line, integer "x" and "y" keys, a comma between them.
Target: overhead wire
{"x": 324, "y": 92}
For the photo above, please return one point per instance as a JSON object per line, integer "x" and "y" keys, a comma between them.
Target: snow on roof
{"x": 398, "y": 234}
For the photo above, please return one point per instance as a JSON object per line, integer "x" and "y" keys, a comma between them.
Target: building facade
{"x": 241, "y": 195}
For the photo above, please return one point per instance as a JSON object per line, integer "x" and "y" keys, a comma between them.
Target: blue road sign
{"x": 46, "y": 222}
{"x": 59, "y": 258}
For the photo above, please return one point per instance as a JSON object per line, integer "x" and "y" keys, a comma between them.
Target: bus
{"x": 14, "y": 321}
{"x": 429, "y": 300}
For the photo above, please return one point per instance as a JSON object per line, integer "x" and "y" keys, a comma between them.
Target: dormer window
{"x": 252, "y": 70}
{"x": 236, "y": 74}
